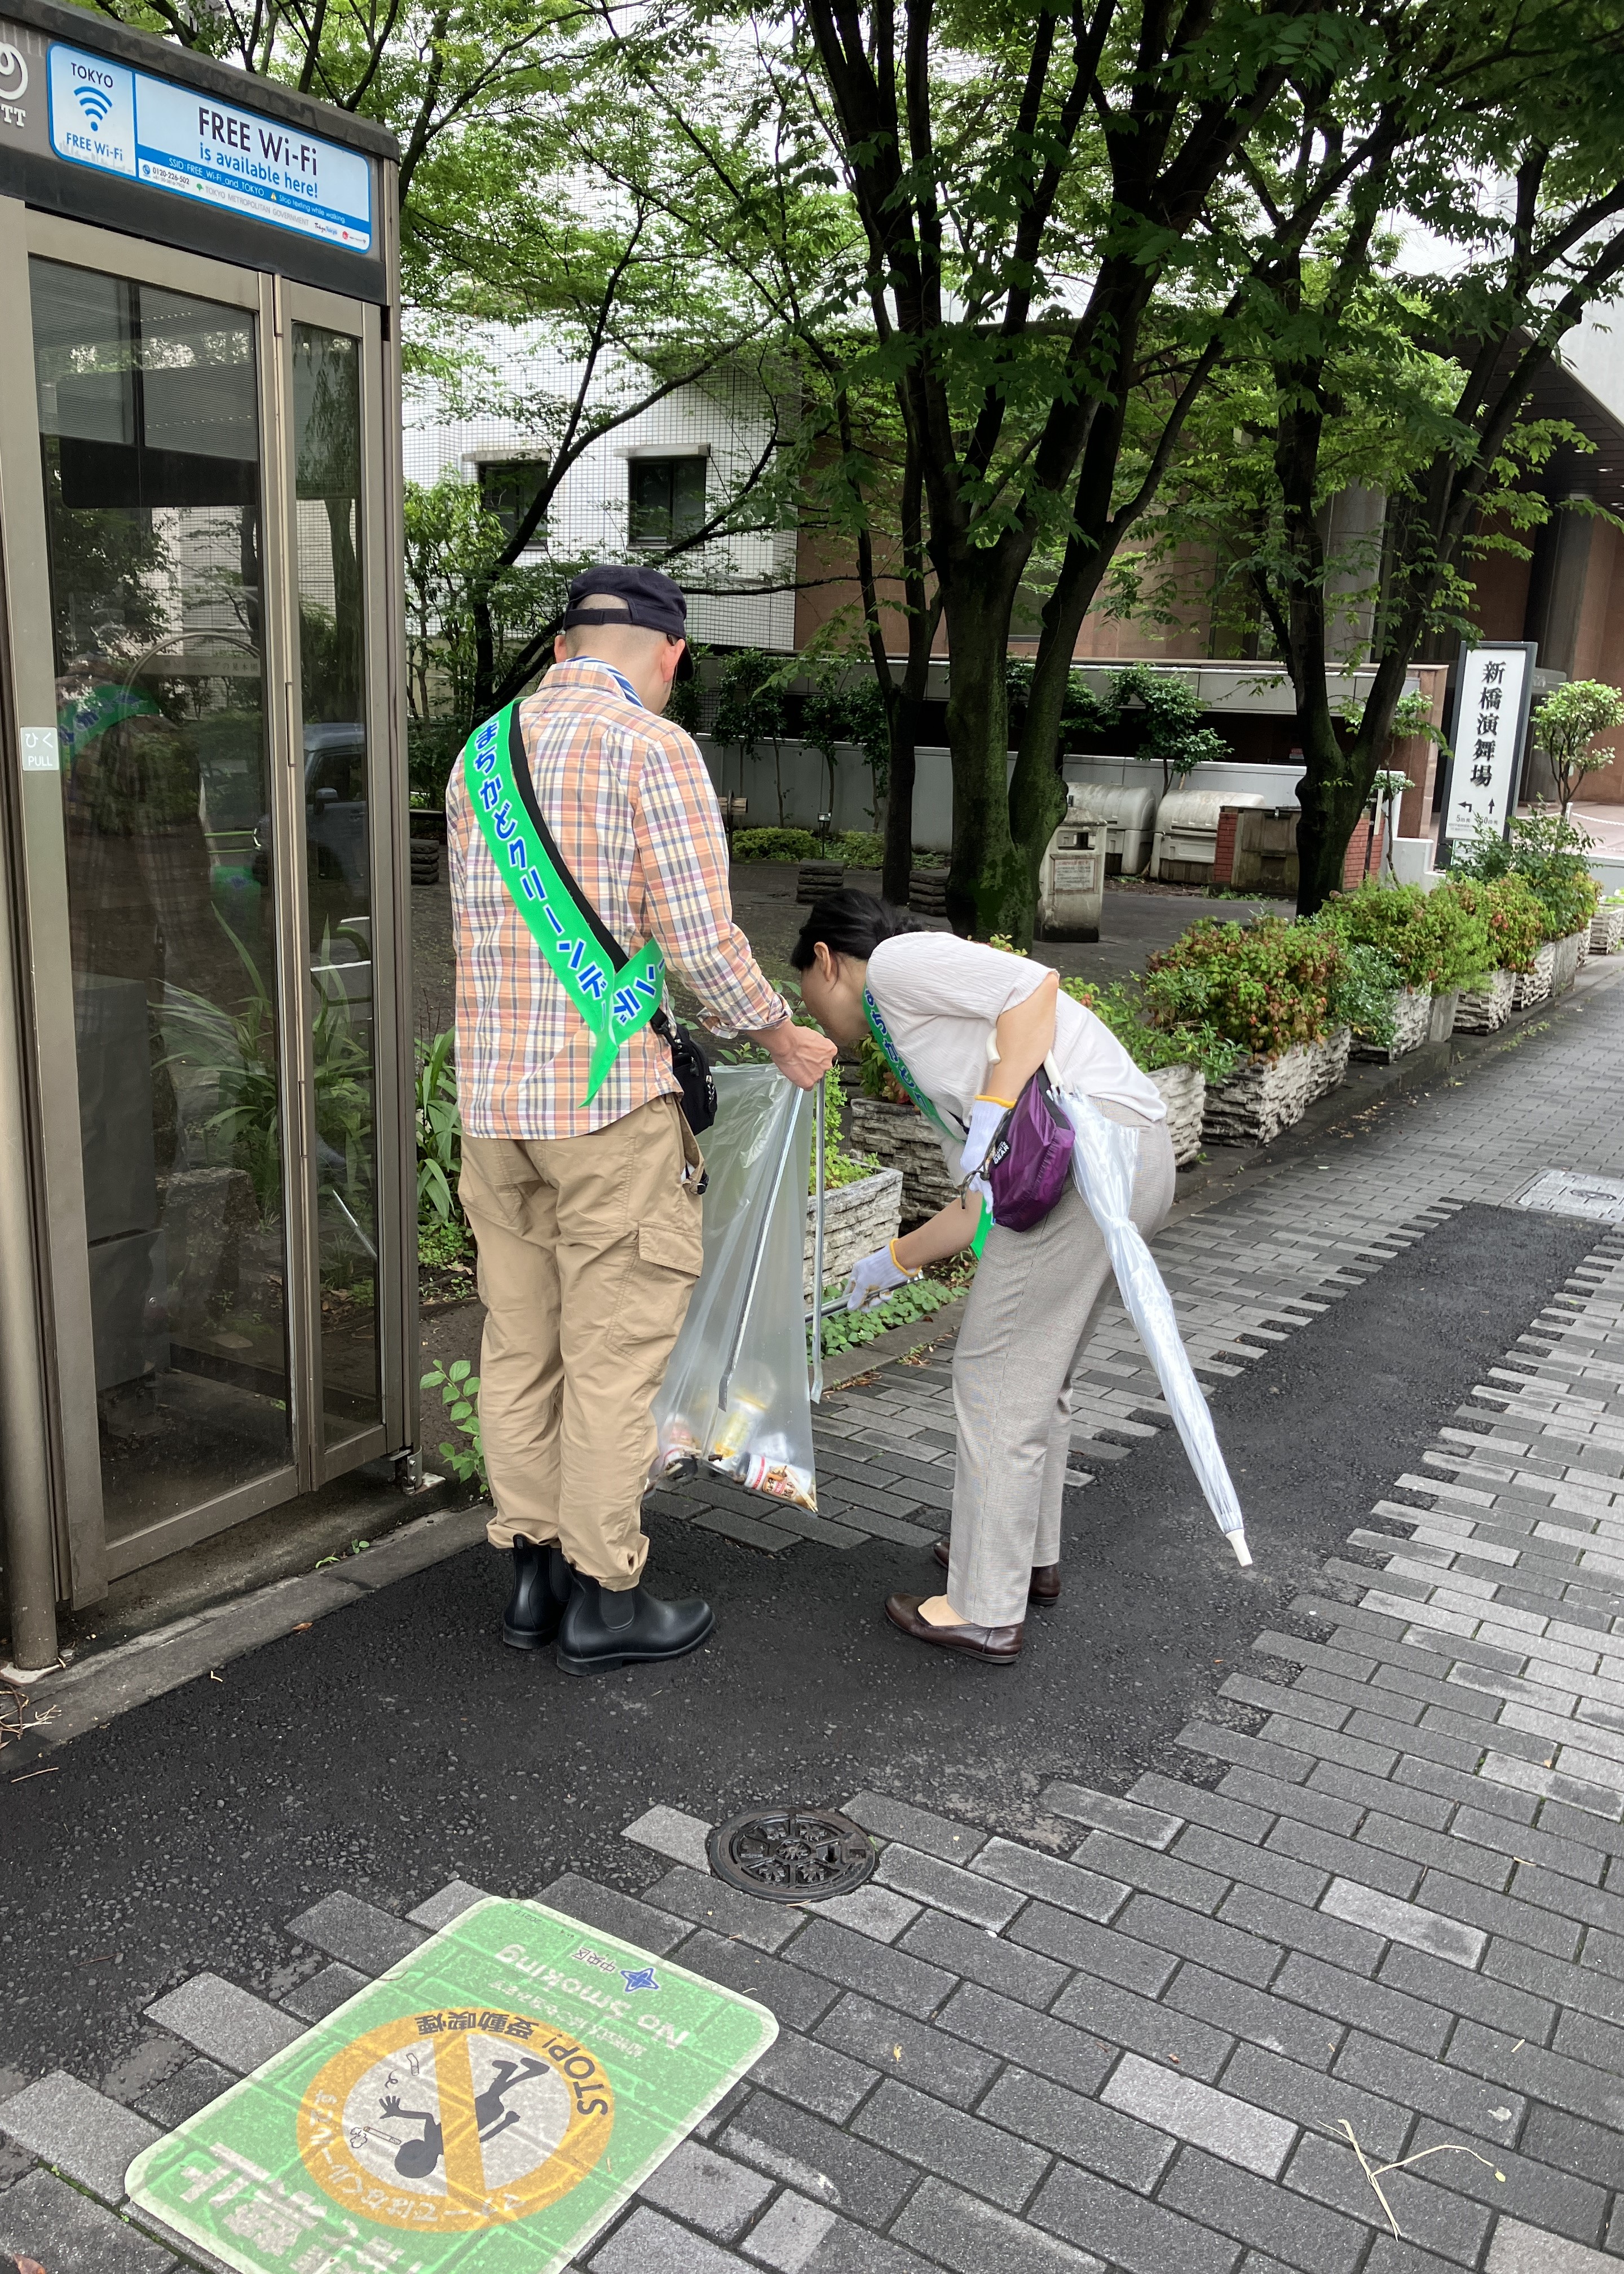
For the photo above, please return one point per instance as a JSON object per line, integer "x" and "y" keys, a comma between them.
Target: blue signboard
{"x": 103, "y": 114}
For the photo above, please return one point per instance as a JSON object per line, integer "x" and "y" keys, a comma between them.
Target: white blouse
{"x": 941, "y": 997}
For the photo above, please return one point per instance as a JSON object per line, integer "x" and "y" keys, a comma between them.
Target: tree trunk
{"x": 897, "y": 877}
{"x": 990, "y": 885}
{"x": 1332, "y": 802}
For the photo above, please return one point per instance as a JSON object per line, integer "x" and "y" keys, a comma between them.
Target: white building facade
{"x": 659, "y": 475}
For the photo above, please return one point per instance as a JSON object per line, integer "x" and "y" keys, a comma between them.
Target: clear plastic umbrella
{"x": 1102, "y": 1162}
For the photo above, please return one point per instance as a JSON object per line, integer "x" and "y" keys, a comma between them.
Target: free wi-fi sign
{"x": 95, "y": 103}
{"x": 92, "y": 111}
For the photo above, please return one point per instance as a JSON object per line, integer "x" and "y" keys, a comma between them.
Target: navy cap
{"x": 650, "y": 599}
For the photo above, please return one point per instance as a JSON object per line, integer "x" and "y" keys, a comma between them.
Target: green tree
{"x": 751, "y": 710}
{"x": 992, "y": 160}
{"x": 1564, "y": 726}
{"x": 1345, "y": 368}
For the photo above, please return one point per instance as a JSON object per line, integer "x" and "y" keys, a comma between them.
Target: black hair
{"x": 849, "y": 923}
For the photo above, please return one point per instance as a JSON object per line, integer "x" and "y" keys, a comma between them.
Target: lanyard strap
{"x": 894, "y": 1060}
{"x": 620, "y": 681}
{"x": 615, "y": 995}
{"x": 898, "y": 1064}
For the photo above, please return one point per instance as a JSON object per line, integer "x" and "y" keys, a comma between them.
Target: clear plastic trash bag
{"x": 1102, "y": 1164}
{"x": 735, "y": 1398}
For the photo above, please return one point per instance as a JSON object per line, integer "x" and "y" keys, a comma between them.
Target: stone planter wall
{"x": 1481, "y": 1010}
{"x": 1566, "y": 957}
{"x": 857, "y": 1219}
{"x": 1330, "y": 1057}
{"x": 1184, "y": 1087}
{"x": 1534, "y": 985}
{"x": 1263, "y": 1097}
{"x": 1412, "y": 1017}
{"x": 1442, "y": 1025}
{"x": 1606, "y": 930}
{"x": 902, "y": 1138}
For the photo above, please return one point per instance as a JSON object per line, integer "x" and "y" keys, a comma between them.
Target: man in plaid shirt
{"x": 587, "y": 1217}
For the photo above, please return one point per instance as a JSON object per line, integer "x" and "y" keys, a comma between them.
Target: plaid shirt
{"x": 627, "y": 798}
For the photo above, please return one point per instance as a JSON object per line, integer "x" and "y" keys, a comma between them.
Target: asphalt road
{"x": 398, "y": 1743}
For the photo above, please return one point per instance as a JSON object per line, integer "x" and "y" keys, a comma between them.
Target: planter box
{"x": 1534, "y": 985}
{"x": 1479, "y": 1011}
{"x": 1412, "y": 1016}
{"x": 1442, "y": 1025}
{"x": 903, "y": 1139}
{"x": 1263, "y": 1097}
{"x": 1566, "y": 959}
{"x": 1184, "y": 1088}
{"x": 857, "y": 1219}
{"x": 1331, "y": 1054}
{"x": 815, "y": 880}
{"x": 1606, "y": 930}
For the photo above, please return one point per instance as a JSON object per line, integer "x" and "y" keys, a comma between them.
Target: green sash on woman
{"x": 616, "y": 999}
{"x": 895, "y": 1060}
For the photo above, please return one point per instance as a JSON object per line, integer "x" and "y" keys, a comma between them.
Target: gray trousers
{"x": 1031, "y": 1313}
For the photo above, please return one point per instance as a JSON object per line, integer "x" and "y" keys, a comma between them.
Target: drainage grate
{"x": 790, "y": 1854}
{"x": 1561, "y": 1192}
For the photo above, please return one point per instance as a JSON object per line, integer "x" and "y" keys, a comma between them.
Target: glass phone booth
{"x": 204, "y": 1080}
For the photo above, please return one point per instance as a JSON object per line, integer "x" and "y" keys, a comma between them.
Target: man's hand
{"x": 801, "y": 1052}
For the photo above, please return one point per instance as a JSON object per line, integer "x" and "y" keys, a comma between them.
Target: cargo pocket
{"x": 673, "y": 1247}
{"x": 655, "y": 1292}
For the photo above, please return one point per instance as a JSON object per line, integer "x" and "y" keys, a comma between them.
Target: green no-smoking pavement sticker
{"x": 489, "y": 2102}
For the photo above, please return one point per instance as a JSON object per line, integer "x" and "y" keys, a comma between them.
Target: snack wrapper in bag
{"x": 735, "y": 1398}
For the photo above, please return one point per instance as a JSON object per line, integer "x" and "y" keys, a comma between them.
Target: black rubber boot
{"x": 540, "y": 1589}
{"x": 602, "y": 1631}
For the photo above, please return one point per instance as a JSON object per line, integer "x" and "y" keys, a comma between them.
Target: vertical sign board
{"x": 1494, "y": 686}
{"x": 489, "y": 2104}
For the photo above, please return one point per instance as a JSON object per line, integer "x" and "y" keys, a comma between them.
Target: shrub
{"x": 1363, "y": 992}
{"x": 775, "y": 845}
{"x": 440, "y": 1131}
{"x": 1549, "y": 854}
{"x": 840, "y": 1166}
{"x": 878, "y": 1081}
{"x": 1267, "y": 985}
{"x": 1516, "y": 919}
{"x": 1126, "y": 1008}
{"x": 1431, "y": 938}
{"x": 861, "y": 848}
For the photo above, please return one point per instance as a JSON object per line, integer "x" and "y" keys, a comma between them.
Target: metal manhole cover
{"x": 790, "y": 1854}
{"x": 1562, "y": 1191}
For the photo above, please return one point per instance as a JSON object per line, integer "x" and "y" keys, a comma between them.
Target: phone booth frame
{"x": 208, "y": 1217}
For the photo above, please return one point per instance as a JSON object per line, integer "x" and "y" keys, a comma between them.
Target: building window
{"x": 666, "y": 498}
{"x": 507, "y": 488}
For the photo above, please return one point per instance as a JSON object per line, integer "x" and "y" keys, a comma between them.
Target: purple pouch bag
{"x": 1031, "y": 1158}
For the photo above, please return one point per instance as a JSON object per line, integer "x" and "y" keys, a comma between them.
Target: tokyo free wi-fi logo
{"x": 95, "y": 103}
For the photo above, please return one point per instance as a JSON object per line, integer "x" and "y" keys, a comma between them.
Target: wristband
{"x": 898, "y": 1265}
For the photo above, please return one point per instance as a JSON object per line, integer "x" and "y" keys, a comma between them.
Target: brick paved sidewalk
{"x": 1376, "y": 1918}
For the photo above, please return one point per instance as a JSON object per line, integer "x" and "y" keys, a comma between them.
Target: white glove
{"x": 875, "y": 1277}
{"x": 986, "y": 1116}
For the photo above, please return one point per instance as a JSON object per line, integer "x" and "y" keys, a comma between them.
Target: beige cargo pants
{"x": 589, "y": 1250}
{"x": 1031, "y": 1315}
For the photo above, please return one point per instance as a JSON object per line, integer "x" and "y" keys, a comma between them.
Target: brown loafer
{"x": 1043, "y": 1588}
{"x": 993, "y": 1645}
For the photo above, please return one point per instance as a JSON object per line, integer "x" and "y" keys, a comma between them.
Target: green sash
{"x": 615, "y": 995}
{"x": 895, "y": 1060}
